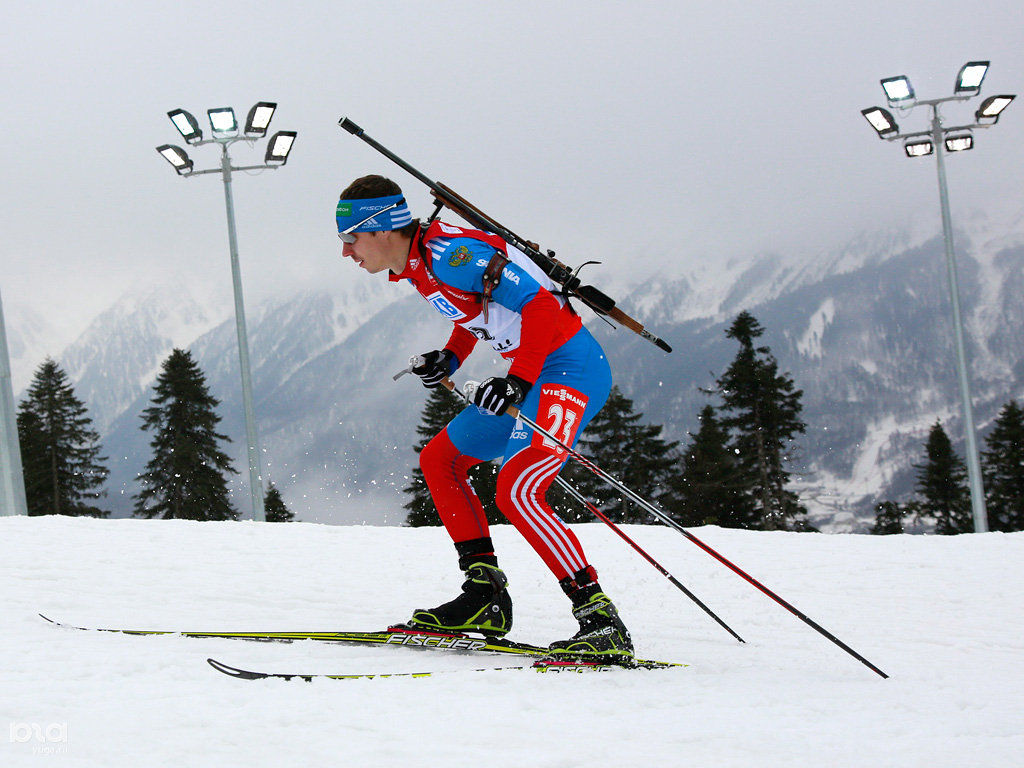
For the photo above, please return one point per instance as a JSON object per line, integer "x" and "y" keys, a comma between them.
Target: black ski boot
{"x": 602, "y": 636}
{"x": 484, "y": 605}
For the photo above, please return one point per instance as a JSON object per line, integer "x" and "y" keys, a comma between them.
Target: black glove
{"x": 437, "y": 364}
{"x": 498, "y": 393}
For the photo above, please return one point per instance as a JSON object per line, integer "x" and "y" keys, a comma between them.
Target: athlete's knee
{"x": 523, "y": 484}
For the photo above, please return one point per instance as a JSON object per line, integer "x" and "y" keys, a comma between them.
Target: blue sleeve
{"x": 461, "y": 264}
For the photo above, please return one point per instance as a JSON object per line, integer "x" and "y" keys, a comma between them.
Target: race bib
{"x": 560, "y": 413}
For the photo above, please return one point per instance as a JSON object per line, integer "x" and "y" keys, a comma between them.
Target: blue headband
{"x": 352, "y": 212}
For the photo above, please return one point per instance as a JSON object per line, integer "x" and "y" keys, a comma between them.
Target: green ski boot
{"x": 602, "y": 636}
{"x": 484, "y": 605}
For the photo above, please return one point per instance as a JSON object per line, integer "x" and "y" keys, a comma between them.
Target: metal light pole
{"x": 978, "y": 510}
{"x": 225, "y": 132}
{"x": 938, "y": 140}
{"x": 12, "y": 478}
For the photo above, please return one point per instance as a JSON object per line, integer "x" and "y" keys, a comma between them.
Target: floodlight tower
{"x": 937, "y": 140}
{"x": 224, "y": 130}
{"x": 12, "y": 478}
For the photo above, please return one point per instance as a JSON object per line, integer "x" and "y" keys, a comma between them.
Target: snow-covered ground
{"x": 943, "y": 616}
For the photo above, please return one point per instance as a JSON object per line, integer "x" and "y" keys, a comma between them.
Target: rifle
{"x": 445, "y": 197}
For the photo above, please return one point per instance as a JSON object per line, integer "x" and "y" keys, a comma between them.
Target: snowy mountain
{"x": 32, "y": 336}
{"x": 864, "y": 331}
{"x": 320, "y": 430}
{"x": 120, "y": 353}
{"x": 867, "y": 335}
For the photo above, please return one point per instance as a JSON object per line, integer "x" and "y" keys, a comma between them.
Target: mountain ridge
{"x": 863, "y": 330}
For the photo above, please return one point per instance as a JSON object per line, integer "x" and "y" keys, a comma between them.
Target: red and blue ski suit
{"x": 547, "y": 345}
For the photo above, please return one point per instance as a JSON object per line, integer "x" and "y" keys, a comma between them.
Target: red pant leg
{"x": 522, "y": 484}
{"x": 444, "y": 469}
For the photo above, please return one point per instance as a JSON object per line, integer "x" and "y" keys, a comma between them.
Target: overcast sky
{"x": 650, "y": 135}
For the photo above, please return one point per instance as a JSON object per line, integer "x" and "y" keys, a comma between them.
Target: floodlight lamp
{"x": 919, "y": 148}
{"x": 881, "y": 120}
{"x": 259, "y": 118}
{"x": 279, "y": 147}
{"x": 177, "y": 157}
{"x": 991, "y": 108}
{"x": 970, "y": 77}
{"x": 186, "y": 124}
{"x": 959, "y": 142}
{"x": 223, "y": 122}
{"x": 898, "y": 89}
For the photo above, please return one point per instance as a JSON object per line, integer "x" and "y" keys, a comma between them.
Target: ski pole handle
{"x": 414, "y": 362}
{"x": 469, "y": 391}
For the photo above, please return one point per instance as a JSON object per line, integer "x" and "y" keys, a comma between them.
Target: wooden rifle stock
{"x": 597, "y": 300}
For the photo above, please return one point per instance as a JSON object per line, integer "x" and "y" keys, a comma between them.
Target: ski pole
{"x": 567, "y": 486}
{"x": 651, "y": 508}
{"x": 643, "y": 503}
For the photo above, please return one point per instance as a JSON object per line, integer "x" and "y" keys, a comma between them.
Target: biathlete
{"x": 558, "y": 376}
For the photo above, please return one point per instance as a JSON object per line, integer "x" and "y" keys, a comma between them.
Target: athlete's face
{"x": 375, "y": 252}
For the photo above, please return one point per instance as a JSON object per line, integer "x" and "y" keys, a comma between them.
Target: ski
{"x": 398, "y": 635}
{"x": 540, "y": 665}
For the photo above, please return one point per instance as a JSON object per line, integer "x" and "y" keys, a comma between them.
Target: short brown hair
{"x": 373, "y": 185}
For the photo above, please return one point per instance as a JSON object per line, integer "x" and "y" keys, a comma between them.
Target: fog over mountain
{"x": 864, "y": 331}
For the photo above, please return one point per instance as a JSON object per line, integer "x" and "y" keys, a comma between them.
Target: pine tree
{"x": 710, "y": 490}
{"x": 273, "y": 504}
{"x": 1003, "y": 468}
{"x": 60, "y": 450}
{"x": 942, "y": 486}
{"x": 440, "y": 408}
{"x": 185, "y": 479}
{"x": 633, "y": 453}
{"x": 761, "y": 410}
{"x": 888, "y": 518}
